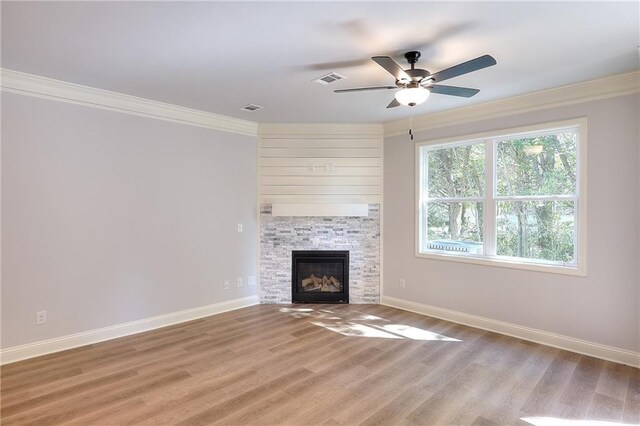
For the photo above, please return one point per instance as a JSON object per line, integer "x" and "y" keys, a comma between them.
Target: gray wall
{"x": 602, "y": 307}
{"x": 109, "y": 218}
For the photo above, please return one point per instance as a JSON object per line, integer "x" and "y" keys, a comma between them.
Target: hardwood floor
{"x": 317, "y": 364}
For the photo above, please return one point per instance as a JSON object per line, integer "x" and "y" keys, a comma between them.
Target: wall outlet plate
{"x": 403, "y": 283}
{"x": 226, "y": 285}
{"x": 239, "y": 227}
{"x": 41, "y": 317}
{"x": 239, "y": 282}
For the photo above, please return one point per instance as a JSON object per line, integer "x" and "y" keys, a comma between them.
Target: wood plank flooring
{"x": 316, "y": 365}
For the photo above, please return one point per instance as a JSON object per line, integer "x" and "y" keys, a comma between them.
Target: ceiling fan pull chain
{"x": 411, "y": 125}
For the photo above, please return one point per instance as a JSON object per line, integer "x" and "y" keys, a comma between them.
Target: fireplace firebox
{"x": 320, "y": 276}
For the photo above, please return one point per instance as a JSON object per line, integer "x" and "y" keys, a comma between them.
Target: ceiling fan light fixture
{"x": 412, "y": 96}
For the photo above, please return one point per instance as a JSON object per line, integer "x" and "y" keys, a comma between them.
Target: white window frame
{"x": 491, "y": 199}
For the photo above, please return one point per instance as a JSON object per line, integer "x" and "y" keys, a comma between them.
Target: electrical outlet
{"x": 328, "y": 167}
{"x": 239, "y": 282}
{"x": 239, "y": 227}
{"x": 251, "y": 281}
{"x": 403, "y": 283}
{"x": 226, "y": 285}
{"x": 41, "y": 317}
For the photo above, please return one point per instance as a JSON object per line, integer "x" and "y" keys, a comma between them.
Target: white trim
{"x": 490, "y": 209}
{"x": 607, "y": 87}
{"x": 18, "y": 353}
{"x": 468, "y": 139}
{"x": 321, "y": 130}
{"x": 258, "y": 222}
{"x": 319, "y": 209}
{"x": 47, "y": 88}
{"x": 504, "y": 262}
{"x": 580, "y": 245}
{"x": 381, "y": 225}
{"x": 534, "y": 197}
{"x": 489, "y": 139}
{"x": 419, "y": 169}
{"x": 454, "y": 199}
{"x": 585, "y": 347}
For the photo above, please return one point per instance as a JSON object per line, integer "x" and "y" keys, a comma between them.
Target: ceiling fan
{"x": 416, "y": 84}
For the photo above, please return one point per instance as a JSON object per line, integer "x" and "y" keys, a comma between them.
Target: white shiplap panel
{"x": 320, "y": 161}
{"x": 309, "y": 198}
{"x": 320, "y": 190}
{"x": 321, "y": 143}
{"x": 320, "y": 180}
{"x": 320, "y": 152}
{"x": 320, "y": 164}
{"x": 320, "y": 171}
{"x": 311, "y": 130}
{"x": 319, "y": 209}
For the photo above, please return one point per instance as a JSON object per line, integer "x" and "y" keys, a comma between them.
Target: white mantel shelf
{"x": 319, "y": 209}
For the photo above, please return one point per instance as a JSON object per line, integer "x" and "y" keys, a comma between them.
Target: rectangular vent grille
{"x": 329, "y": 78}
{"x": 251, "y": 107}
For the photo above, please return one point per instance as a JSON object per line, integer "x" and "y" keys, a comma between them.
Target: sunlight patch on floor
{"x": 308, "y": 313}
{"x": 356, "y": 330}
{"x": 414, "y": 333}
{"x": 358, "y": 324}
{"x": 287, "y": 310}
{"x": 555, "y": 421}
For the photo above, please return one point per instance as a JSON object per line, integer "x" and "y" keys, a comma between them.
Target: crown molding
{"x": 607, "y": 87}
{"x": 32, "y": 85}
{"x": 42, "y": 87}
{"x": 278, "y": 130}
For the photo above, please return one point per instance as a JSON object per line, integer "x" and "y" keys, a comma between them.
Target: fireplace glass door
{"x": 320, "y": 276}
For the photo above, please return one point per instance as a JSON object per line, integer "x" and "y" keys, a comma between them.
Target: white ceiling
{"x": 220, "y": 56}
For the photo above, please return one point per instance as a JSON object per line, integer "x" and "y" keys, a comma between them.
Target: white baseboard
{"x": 18, "y": 353}
{"x": 584, "y": 347}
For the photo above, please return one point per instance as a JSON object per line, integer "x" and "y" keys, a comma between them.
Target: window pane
{"x": 536, "y": 230}
{"x": 454, "y": 227}
{"x": 456, "y": 172}
{"x": 542, "y": 165}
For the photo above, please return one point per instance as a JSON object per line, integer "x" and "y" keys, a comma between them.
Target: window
{"x": 514, "y": 198}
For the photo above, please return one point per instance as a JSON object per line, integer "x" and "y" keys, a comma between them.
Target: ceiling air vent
{"x": 251, "y": 107}
{"x": 329, "y": 78}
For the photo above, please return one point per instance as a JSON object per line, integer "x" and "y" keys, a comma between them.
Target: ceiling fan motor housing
{"x": 417, "y": 75}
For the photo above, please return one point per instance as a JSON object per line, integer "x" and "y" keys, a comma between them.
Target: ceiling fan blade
{"x": 364, "y": 89}
{"x": 464, "y": 92}
{"x": 394, "y": 103}
{"x": 392, "y": 66}
{"x": 464, "y": 68}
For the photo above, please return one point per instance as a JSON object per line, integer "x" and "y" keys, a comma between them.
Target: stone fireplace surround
{"x": 280, "y": 235}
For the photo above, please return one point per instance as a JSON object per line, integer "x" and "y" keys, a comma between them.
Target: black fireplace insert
{"x": 320, "y": 276}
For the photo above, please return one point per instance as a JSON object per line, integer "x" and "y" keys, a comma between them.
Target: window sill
{"x": 505, "y": 263}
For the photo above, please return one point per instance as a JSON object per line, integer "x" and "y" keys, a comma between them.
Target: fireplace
{"x": 320, "y": 276}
